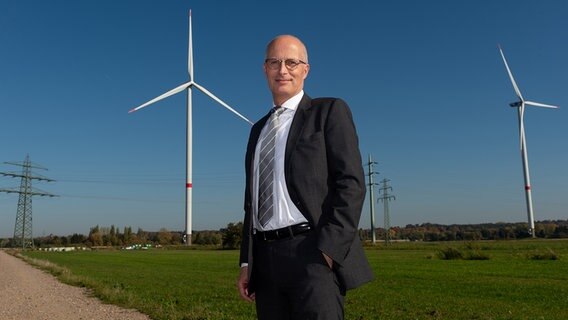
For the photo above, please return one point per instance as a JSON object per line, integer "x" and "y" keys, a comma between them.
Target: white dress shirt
{"x": 286, "y": 213}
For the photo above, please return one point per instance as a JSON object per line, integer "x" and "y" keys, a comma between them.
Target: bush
{"x": 469, "y": 252}
{"x": 450, "y": 253}
{"x": 548, "y": 255}
{"x": 476, "y": 255}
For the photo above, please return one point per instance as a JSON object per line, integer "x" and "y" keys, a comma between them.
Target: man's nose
{"x": 283, "y": 68}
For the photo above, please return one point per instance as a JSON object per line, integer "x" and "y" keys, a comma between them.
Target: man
{"x": 305, "y": 189}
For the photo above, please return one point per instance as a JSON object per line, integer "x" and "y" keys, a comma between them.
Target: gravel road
{"x": 27, "y": 293}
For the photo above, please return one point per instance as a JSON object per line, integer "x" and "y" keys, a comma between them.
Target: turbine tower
{"x": 520, "y": 105}
{"x": 188, "y": 86}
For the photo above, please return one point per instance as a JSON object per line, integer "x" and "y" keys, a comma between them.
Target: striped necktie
{"x": 266, "y": 168}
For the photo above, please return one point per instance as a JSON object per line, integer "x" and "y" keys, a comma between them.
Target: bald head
{"x": 288, "y": 40}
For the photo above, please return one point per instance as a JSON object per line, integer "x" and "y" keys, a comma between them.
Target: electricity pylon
{"x": 371, "y": 200}
{"x": 386, "y": 197}
{"x": 23, "y": 236}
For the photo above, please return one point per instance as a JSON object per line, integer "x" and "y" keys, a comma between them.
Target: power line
{"x": 149, "y": 179}
{"x": 119, "y": 199}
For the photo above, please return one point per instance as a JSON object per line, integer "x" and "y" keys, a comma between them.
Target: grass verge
{"x": 200, "y": 284}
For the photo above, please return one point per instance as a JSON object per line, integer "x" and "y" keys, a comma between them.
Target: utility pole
{"x": 386, "y": 197}
{"x": 23, "y": 236}
{"x": 371, "y": 197}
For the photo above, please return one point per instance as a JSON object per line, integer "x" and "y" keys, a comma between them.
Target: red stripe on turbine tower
{"x": 188, "y": 185}
{"x": 527, "y": 188}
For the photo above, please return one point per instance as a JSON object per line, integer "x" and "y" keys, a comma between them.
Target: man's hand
{"x": 328, "y": 260}
{"x": 242, "y": 285}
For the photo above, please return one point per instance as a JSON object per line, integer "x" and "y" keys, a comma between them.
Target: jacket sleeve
{"x": 245, "y": 239}
{"x": 338, "y": 225}
{"x": 246, "y": 243}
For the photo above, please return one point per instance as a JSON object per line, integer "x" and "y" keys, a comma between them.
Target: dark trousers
{"x": 294, "y": 282}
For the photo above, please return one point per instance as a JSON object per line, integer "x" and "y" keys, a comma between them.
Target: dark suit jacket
{"x": 325, "y": 180}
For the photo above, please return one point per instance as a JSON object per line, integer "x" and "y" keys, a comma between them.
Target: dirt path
{"x": 27, "y": 293}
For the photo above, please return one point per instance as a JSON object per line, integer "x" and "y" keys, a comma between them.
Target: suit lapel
{"x": 295, "y": 129}
{"x": 255, "y": 134}
{"x": 253, "y": 141}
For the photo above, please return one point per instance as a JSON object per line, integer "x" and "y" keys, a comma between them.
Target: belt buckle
{"x": 260, "y": 234}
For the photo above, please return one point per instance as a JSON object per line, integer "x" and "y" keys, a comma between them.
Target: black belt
{"x": 283, "y": 233}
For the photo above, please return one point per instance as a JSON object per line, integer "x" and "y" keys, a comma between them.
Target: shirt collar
{"x": 293, "y": 102}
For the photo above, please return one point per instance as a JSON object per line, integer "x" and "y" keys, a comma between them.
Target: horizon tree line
{"x": 230, "y": 236}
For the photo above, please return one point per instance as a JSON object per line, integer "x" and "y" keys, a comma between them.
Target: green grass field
{"x": 411, "y": 281}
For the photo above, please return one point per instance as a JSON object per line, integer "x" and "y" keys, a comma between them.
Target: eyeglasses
{"x": 290, "y": 64}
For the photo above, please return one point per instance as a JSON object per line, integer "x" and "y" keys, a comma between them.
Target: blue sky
{"x": 425, "y": 81}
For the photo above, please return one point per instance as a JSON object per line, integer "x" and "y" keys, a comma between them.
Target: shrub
{"x": 450, "y": 253}
{"x": 467, "y": 253}
{"x": 548, "y": 255}
{"x": 476, "y": 255}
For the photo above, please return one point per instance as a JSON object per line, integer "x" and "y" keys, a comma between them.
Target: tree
{"x": 142, "y": 236}
{"x": 77, "y": 239}
{"x": 95, "y": 236}
{"x": 127, "y": 235}
{"x": 232, "y": 235}
{"x": 113, "y": 236}
{"x": 207, "y": 238}
{"x": 164, "y": 236}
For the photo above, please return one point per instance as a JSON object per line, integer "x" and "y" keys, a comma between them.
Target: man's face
{"x": 285, "y": 82}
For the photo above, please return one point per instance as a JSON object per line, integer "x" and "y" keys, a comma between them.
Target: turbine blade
{"x": 538, "y": 104}
{"x": 221, "y": 102}
{"x": 511, "y": 75}
{"x": 163, "y": 96}
{"x": 190, "y": 51}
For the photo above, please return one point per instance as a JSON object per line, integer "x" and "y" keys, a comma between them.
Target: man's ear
{"x": 307, "y": 68}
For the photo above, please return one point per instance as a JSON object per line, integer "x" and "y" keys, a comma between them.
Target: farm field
{"x": 518, "y": 280}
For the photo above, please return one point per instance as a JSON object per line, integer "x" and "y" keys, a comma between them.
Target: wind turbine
{"x": 520, "y": 105}
{"x": 188, "y": 86}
